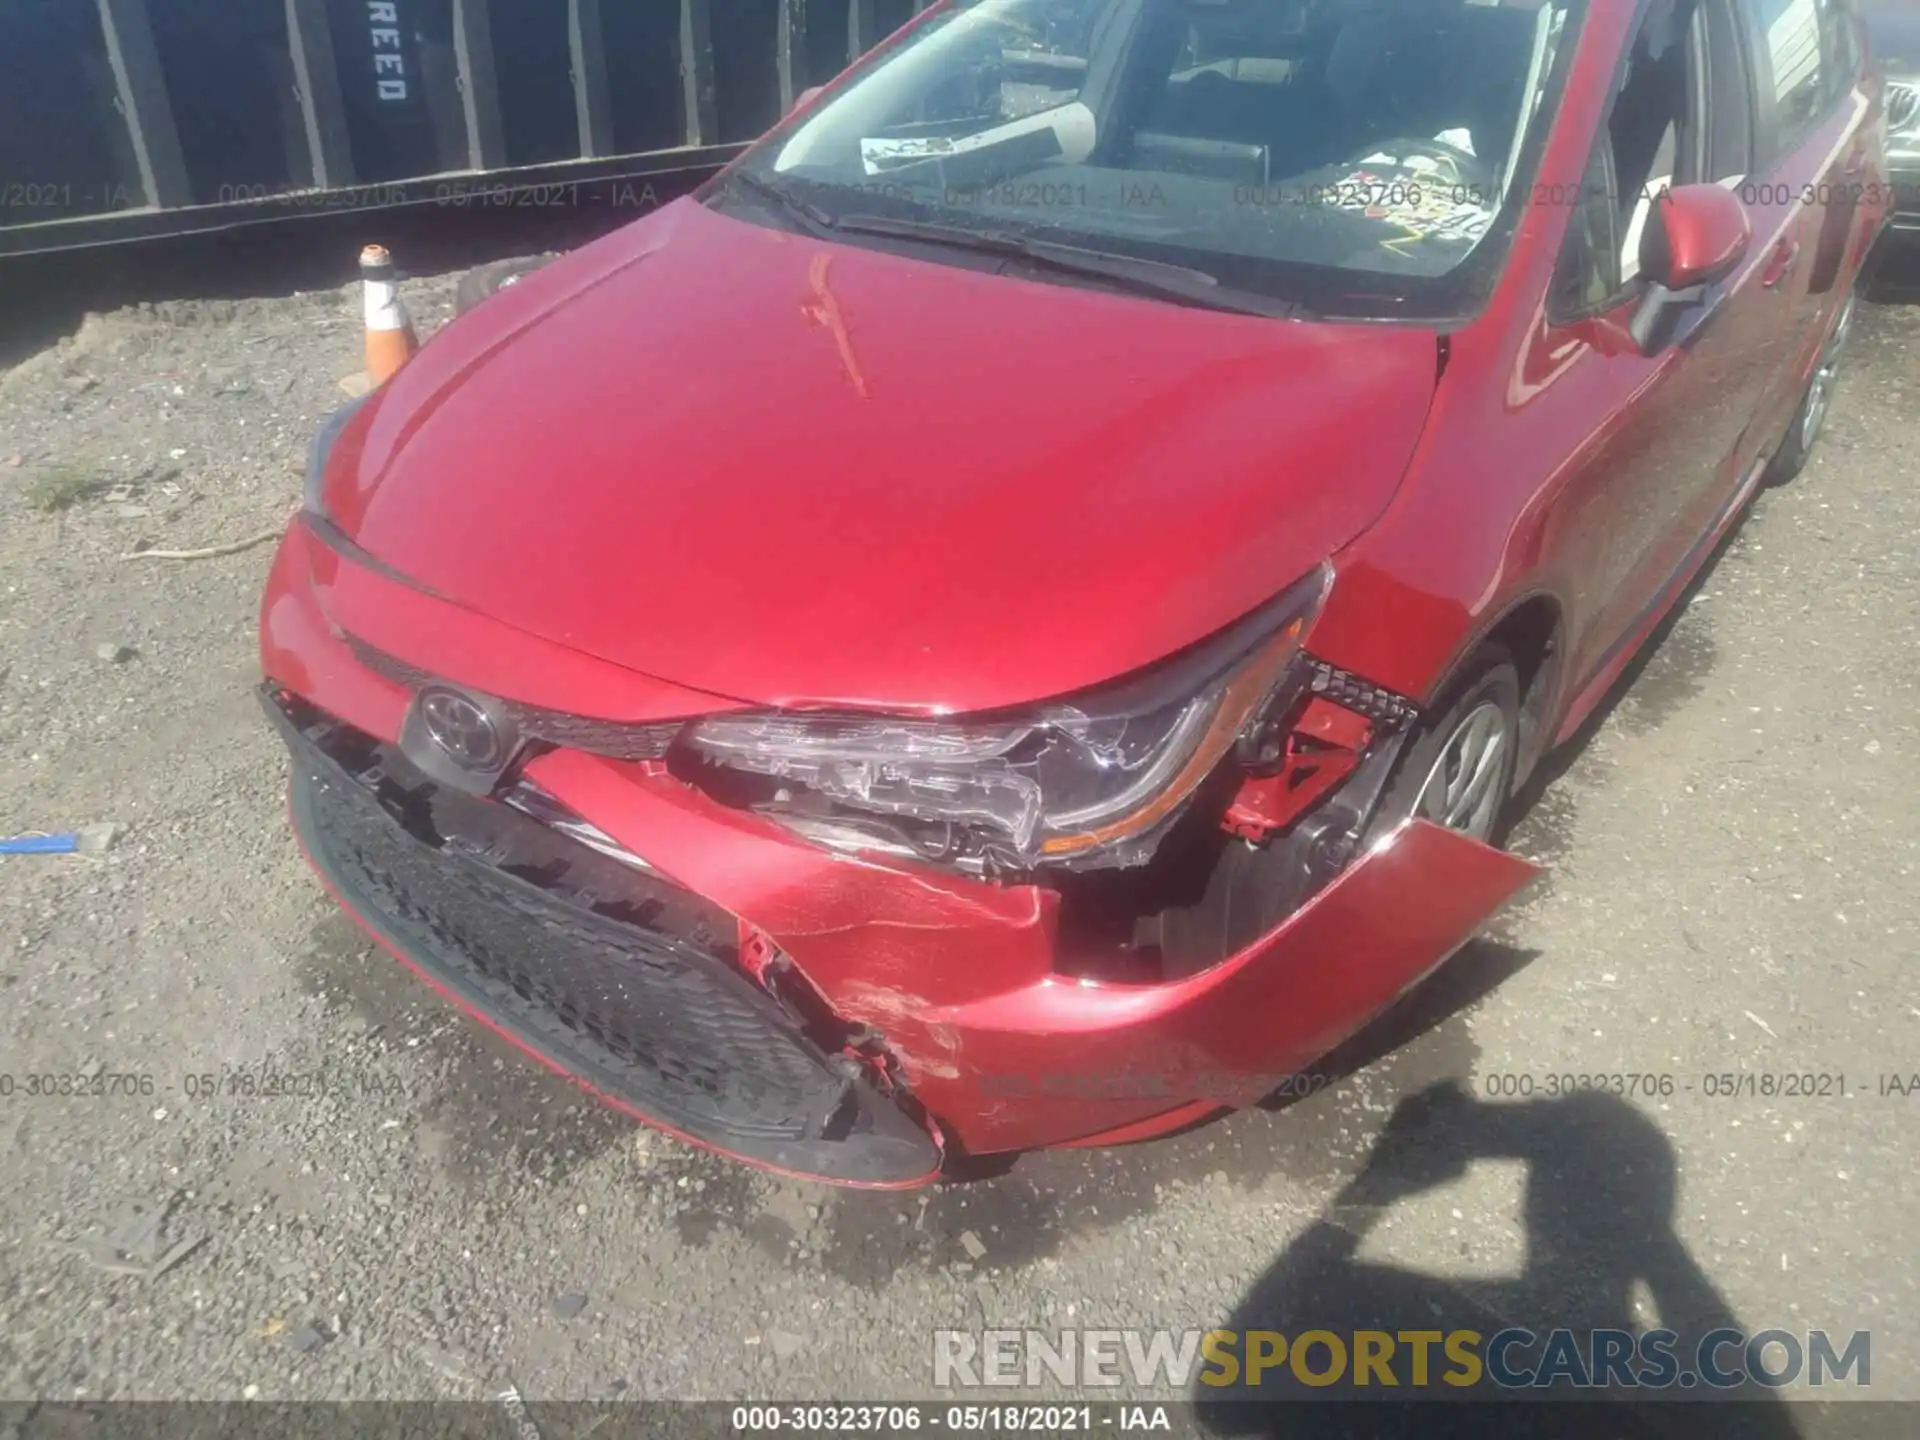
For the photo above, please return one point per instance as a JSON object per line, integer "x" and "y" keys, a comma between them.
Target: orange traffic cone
{"x": 390, "y": 338}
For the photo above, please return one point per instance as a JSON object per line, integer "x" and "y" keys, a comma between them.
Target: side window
{"x": 1793, "y": 64}
{"x": 1840, "y": 42}
{"x": 1726, "y": 94}
{"x": 1650, "y": 141}
{"x": 1682, "y": 114}
{"x": 1589, "y": 271}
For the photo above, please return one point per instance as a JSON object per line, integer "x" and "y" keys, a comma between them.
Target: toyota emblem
{"x": 462, "y": 729}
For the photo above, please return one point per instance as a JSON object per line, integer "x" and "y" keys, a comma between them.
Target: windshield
{"x": 1358, "y": 155}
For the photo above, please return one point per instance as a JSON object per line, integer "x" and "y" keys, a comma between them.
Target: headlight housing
{"x": 1088, "y": 781}
{"x": 312, "y": 494}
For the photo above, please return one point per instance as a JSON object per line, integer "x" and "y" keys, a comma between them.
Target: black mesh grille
{"x": 616, "y": 739}
{"x": 621, "y": 978}
{"x": 612, "y": 738}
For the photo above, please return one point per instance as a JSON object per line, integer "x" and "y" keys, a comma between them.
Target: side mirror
{"x": 1696, "y": 236}
{"x": 805, "y": 98}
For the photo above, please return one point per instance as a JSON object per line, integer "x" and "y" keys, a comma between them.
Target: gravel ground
{"x": 1733, "y": 854}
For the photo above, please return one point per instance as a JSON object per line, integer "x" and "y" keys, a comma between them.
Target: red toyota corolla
{"x": 1010, "y": 618}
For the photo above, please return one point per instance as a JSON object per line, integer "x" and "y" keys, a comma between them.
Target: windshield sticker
{"x": 878, "y": 154}
{"x": 1427, "y": 198}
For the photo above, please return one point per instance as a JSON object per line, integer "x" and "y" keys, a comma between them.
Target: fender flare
{"x": 1543, "y": 691}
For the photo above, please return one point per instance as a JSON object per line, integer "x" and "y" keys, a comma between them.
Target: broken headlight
{"x": 1091, "y": 780}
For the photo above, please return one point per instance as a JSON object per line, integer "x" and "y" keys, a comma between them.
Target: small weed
{"x": 60, "y": 487}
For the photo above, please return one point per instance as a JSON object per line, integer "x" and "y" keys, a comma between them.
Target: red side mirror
{"x": 805, "y": 98}
{"x": 1696, "y": 235}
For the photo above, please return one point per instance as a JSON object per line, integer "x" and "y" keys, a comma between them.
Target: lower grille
{"x": 621, "y": 979}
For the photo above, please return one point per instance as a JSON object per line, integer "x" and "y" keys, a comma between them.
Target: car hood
{"x": 793, "y": 472}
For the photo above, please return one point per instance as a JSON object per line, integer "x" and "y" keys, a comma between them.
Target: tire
{"x": 477, "y": 285}
{"x": 1810, "y": 415}
{"x": 1486, "y": 696}
{"x": 1246, "y": 890}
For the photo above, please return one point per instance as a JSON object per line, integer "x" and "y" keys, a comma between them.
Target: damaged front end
{"x": 761, "y": 932}
{"x": 622, "y": 981}
{"x": 1177, "y": 815}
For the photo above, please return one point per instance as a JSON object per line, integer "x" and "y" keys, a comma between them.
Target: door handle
{"x": 1780, "y": 263}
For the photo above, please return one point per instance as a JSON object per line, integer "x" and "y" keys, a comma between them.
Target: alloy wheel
{"x": 1464, "y": 789}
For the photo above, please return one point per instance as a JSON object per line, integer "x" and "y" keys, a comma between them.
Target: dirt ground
{"x": 1732, "y": 891}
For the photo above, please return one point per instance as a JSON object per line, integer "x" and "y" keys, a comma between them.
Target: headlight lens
{"x": 318, "y": 449}
{"x": 1091, "y": 780}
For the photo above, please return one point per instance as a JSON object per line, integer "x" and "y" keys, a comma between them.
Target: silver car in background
{"x": 1893, "y": 28}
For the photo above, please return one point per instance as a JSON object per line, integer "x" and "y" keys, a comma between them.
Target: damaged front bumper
{"x": 848, "y": 1018}
{"x": 619, "y": 980}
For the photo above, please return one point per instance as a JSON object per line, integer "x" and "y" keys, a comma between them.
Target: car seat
{"x": 1404, "y": 70}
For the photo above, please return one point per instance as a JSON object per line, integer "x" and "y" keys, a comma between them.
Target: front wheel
{"x": 1458, "y": 768}
{"x": 1791, "y": 458}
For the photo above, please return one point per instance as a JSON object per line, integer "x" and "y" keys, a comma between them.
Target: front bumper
{"x": 617, "y": 979}
{"x": 1905, "y": 176}
{"x": 948, "y": 994}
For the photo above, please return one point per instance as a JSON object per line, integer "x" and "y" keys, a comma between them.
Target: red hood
{"x": 790, "y": 472}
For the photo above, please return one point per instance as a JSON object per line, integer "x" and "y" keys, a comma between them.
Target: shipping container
{"x": 128, "y": 118}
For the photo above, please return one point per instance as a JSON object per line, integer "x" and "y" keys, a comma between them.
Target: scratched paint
{"x": 824, "y": 309}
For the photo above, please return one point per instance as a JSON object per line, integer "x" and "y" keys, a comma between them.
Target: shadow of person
{"x": 1601, "y": 1190}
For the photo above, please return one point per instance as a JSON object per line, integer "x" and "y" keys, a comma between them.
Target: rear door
{"x": 1814, "y": 161}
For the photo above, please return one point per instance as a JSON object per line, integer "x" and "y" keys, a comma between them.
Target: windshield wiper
{"x": 1148, "y": 277}
{"x": 809, "y": 216}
